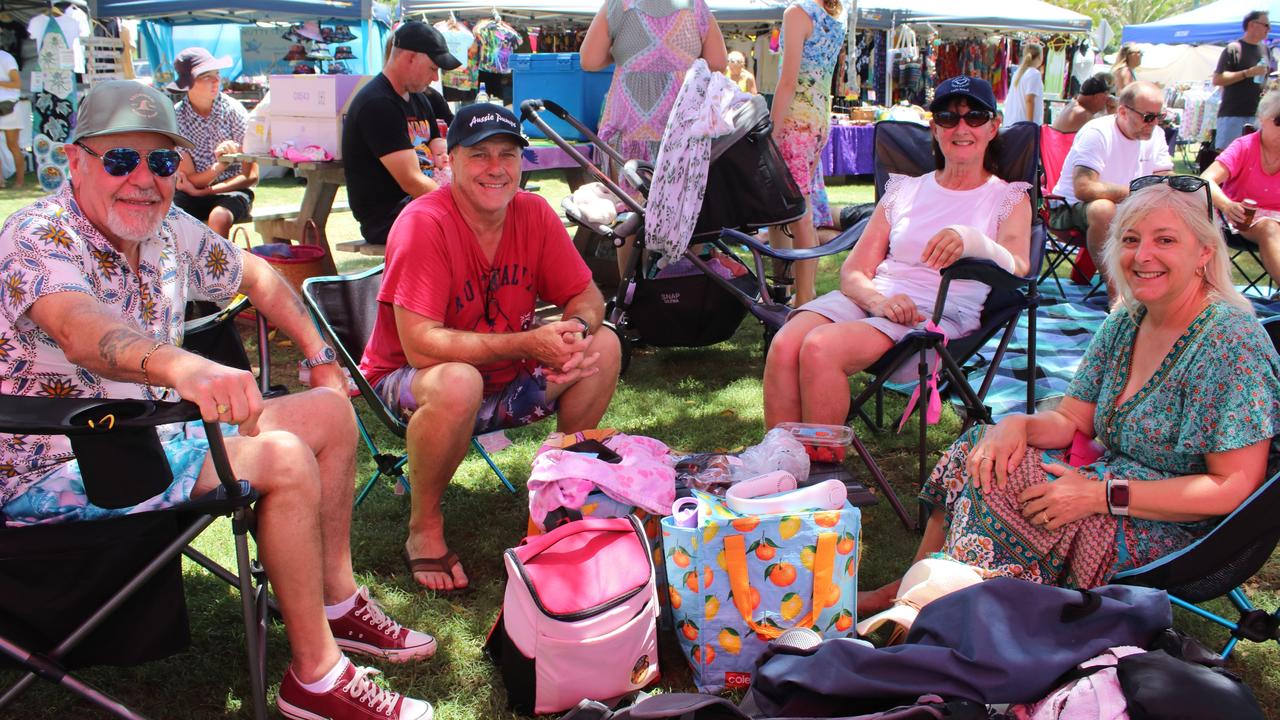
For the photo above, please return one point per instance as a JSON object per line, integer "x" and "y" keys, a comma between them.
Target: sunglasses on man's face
{"x": 121, "y": 161}
{"x": 972, "y": 118}
{"x": 1182, "y": 183}
{"x": 1147, "y": 118}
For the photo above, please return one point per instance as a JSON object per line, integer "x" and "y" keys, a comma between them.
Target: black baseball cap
{"x": 1094, "y": 85}
{"x": 421, "y": 37}
{"x": 481, "y": 121}
{"x": 976, "y": 90}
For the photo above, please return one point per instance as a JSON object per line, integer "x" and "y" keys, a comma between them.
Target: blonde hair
{"x": 1031, "y": 54}
{"x": 1122, "y": 57}
{"x": 1269, "y": 106}
{"x": 832, "y": 7}
{"x": 1190, "y": 209}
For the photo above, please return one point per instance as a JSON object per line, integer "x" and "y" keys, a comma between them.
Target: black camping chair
{"x": 345, "y": 307}
{"x": 905, "y": 148}
{"x": 1219, "y": 563}
{"x": 119, "y": 596}
{"x": 1237, "y": 246}
{"x": 110, "y": 591}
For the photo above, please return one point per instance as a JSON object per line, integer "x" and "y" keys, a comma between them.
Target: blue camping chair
{"x": 1218, "y": 563}
{"x": 344, "y": 307}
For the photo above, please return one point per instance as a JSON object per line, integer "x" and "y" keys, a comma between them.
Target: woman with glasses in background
{"x": 1162, "y": 387}
{"x": 890, "y": 280}
{"x": 1249, "y": 169}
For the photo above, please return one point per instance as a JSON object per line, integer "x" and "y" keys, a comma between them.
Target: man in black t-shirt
{"x": 390, "y": 141}
{"x": 1241, "y": 72}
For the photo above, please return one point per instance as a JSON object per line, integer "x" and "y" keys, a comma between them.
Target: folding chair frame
{"x": 234, "y": 497}
{"x": 389, "y": 465}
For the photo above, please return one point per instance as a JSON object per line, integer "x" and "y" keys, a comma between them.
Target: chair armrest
{"x": 839, "y": 243}
{"x": 70, "y": 416}
{"x": 984, "y": 271}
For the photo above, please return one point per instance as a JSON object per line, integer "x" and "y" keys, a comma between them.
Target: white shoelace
{"x": 376, "y": 616}
{"x": 365, "y": 690}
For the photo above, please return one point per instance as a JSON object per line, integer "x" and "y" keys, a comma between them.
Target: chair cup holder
{"x": 120, "y": 466}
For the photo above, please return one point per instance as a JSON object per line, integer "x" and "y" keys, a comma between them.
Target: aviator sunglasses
{"x": 121, "y": 161}
{"x": 973, "y": 118}
{"x": 1147, "y": 118}
{"x": 1182, "y": 183}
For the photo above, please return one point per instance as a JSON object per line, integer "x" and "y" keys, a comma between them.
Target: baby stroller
{"x": 701, "y": 298}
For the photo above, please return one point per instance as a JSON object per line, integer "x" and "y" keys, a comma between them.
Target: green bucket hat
{"x": 121, "y": 106}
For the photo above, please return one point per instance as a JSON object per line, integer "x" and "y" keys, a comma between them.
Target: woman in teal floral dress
{"x": 1181, "y": 388}
{"x": 812, "y": 34}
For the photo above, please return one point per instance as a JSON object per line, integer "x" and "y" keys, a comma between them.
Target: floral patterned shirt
{"x": 50, "y": 247}
{"x": 1218, "y": 389}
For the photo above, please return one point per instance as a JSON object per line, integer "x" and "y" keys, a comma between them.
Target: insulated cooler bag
{"x": 738, "y": 581}
{"x": 579, "y": 618}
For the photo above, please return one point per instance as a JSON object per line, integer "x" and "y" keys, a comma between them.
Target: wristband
{"x": 586, "y": 326}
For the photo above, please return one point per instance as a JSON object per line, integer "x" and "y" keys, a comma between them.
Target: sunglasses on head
{"x": 1147, "y": 118}
{"x": 121, "y": 161}
{"x": 1182, "y": 183}
{"x": 973, "y": 118}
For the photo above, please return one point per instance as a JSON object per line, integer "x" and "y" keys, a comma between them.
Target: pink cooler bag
{"x": 579, "y": 619}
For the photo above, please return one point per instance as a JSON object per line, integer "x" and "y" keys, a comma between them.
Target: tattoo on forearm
{"x": 115, "y": 342}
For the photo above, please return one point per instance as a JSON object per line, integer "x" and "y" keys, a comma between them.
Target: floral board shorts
{"x": 59, "y": 495}
{"x": 520, "y": 402}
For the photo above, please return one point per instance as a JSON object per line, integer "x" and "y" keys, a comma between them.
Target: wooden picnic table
{"x": 323, "y": 180}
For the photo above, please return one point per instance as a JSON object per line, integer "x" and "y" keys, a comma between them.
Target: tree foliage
{"x": 1119, "y": 13}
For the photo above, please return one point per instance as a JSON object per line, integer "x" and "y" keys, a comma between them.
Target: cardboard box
{"x": 303, "y": 131}
{"x": 316, "y": 96}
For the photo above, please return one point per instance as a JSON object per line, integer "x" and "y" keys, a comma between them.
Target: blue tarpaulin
{"x": 1217, "y": 23}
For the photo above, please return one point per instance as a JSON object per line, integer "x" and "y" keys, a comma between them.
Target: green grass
{"x": 692, "y": 399}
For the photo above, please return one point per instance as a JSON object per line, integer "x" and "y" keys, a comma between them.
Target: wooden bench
{"x": 286, "y": 212}
{"x": 362, "y": 247}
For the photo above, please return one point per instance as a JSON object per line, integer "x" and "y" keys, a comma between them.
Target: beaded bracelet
{"x": 145, "y": 378}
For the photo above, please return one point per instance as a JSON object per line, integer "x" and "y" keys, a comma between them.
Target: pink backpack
{"x": 1094, "y": 693}
{"x": 579, "y": 618}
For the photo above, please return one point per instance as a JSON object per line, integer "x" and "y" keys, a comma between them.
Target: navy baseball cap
{"x": 975, "y": 90}
{"x": 480, "y": 121}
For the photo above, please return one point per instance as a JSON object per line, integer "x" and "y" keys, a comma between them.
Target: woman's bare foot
{"x": 873, "y": 601}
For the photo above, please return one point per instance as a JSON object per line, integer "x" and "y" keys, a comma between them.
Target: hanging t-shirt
{"x": 463, "y": 46}
{"x": 74, "y": 25}
{"x": 768, "y": 63}
{"x": 497, "y": 40}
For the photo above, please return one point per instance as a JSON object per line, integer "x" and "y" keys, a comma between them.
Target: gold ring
{"x": 222, "y": 409}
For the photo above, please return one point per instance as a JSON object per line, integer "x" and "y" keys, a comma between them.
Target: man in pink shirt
{"x": 456, "y": 347}
{"x": 1250, "y": 169}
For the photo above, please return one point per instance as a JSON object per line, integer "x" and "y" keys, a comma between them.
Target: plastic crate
{"x": 559, "y": 77}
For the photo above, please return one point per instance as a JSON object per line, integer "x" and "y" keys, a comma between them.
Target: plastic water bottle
{"x": 1259, "y": 79}
{"x": 482, "y": 96}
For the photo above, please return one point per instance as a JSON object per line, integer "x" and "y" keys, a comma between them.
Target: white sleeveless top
{"x": 917, "y": 208}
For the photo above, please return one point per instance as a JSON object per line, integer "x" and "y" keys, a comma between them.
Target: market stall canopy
{"x": 1001, "y": 14}
{"x": 1173, "y": 64}
{"x": 724, "y": 10}
{"x": 1217, "y": 22}
{"x": 244, "y": 11}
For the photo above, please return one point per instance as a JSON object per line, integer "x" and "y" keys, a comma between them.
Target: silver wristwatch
{"x": 324, "y": 357}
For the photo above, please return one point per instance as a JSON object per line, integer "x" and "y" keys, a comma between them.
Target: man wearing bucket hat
{"x": 390, "y": 143}
{"x": 95, "y": 278}
{"x": 214, "y": 191}
{"x": 455, "y": 346}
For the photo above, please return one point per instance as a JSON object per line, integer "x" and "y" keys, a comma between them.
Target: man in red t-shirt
{"x": 456, "y": 336}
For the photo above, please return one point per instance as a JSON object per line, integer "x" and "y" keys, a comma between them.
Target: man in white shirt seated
{"x": 1108, "y": 153}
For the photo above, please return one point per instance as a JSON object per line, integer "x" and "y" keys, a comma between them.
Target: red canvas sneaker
{"x": 355, "y": 697}
{"x": 367, "y": 630}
